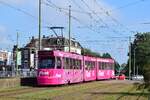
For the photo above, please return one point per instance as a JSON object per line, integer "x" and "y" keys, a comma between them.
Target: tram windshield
{"x": 47, "y": 63}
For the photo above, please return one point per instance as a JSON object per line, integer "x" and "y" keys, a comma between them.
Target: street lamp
{"x": 40, "y": 25}
{"x": 134, "y": 61}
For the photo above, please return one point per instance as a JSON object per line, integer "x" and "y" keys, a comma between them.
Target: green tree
{"x": 141, "y": 49}
{"x": 117, "y": 67}
{"x": 88, "y": 52}
{"x": 106, "y": 55}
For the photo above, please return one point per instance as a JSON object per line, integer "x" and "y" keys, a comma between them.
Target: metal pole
{"x": 17, "y": 54}
{"x": 134, "y": 63}
{"x": 69, "y": 28}
{"x": 129, "y": 58}
{"x": 62, "y": 32}
{"x": 39, "y": 24}
{"x": 137, "y": 71}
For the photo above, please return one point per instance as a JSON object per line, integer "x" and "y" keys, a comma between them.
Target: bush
{"x": 146, "y": 70}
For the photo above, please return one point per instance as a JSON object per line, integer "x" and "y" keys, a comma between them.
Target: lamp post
{"x": 17, "y": 54}
{"x": 39, "y": 25}
{"x": 134, "y": 63}
{"x": 135, "y": 69}
{"x": 129, "y": 58}
{"x": 69, "y": 28}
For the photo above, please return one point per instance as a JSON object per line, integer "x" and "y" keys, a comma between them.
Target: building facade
{"x": 5, "y": 60}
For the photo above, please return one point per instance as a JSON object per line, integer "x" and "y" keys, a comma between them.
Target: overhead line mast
{"x": 69, "y": 28}
{"x": 39, "y": 24}
{"x": 130, "y": 58}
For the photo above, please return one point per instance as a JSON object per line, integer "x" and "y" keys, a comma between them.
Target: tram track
{"x": 19, "y": 91}
{"x": 88, "y": 89}
{"x": 96, "y": 90}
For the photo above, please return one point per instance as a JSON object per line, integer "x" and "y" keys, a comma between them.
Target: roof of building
{"x": 53, "y": 41}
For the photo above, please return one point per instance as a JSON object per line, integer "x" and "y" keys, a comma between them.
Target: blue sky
{"x": 101, "y": 25}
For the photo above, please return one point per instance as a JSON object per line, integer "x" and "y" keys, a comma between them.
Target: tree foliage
{"x": 88, "y": 52}
{"x": 106, "y": 55}
{"x": 141, "y": 48}
{"x": 117, "y": 67}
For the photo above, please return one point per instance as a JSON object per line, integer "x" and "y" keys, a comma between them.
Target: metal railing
{"x": 9, "y": 74}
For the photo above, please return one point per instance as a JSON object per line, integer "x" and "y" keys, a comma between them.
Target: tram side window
{"x": 100, "y": 65}
{"x": 64, "y": 63}
{"x": 89, "y": 65}
{"x": 110, "y": 64}
{"x": 92, "y": 66}
{"x": 106, "y": 66}
{"x": 79, "y": 64}
{"x": 71, "y": 64}
{"x": 58, "y": 63}
{"x": 113, "y": 65}
{"x": 75, "y": 64}
{"x": 67, "y": 63}
{"x": 93, "y": 63}
{"x": 86, "y": 65}
{"x": 103, "y": 66}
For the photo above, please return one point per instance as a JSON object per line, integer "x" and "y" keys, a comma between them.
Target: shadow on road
{"x": 130, "y": 92}
{"x": 122, "y": 94}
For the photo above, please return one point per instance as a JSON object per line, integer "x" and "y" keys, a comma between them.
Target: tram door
{"x": 68, "y": 71}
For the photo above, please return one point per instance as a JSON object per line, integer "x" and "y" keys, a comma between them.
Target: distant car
{"x": 121, "y": 77}
{"x": 138, "y": 77}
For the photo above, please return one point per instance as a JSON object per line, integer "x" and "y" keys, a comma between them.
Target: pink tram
{"x": 58, "y": 67}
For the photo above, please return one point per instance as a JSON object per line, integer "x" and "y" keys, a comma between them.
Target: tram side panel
{"x": 89, "y": 68}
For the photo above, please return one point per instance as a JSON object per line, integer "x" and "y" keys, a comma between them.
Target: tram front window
{"x": 48, "y": 63}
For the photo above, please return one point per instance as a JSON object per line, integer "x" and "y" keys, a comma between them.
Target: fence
{"x": 21, "y": 73}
